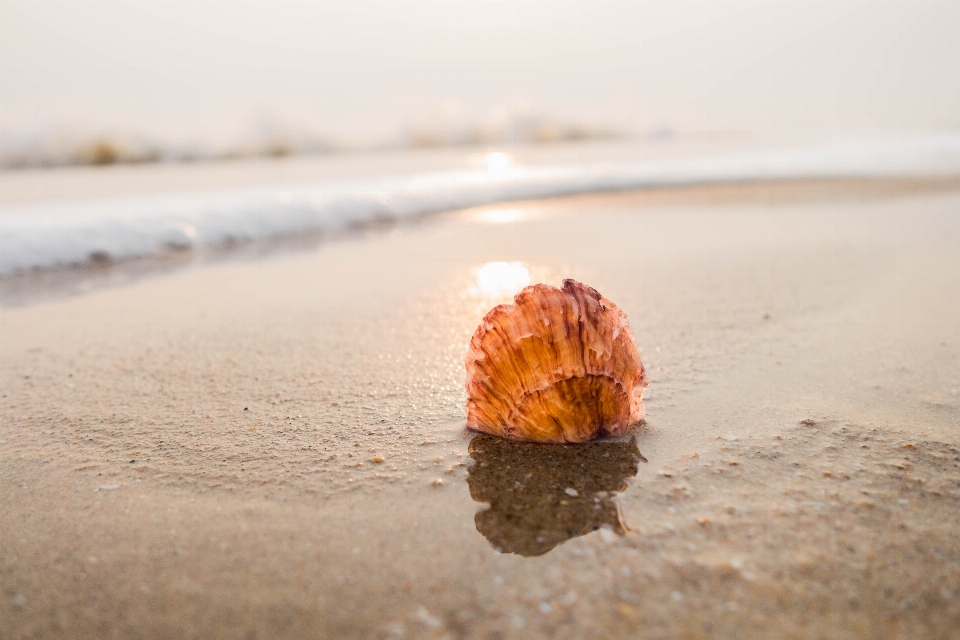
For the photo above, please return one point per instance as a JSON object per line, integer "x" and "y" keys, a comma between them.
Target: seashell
{"x": 558, "y": 365}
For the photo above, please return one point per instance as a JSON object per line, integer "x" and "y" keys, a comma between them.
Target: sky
{"x": 181, "y": 70}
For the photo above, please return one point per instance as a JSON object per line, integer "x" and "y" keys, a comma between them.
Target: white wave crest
{"x": 57, "y": 235}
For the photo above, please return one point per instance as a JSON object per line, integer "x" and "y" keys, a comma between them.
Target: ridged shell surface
{"x": 558, "y": 365}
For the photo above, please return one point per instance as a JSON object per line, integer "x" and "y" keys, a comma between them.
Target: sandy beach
{"x": 274, "y": 448}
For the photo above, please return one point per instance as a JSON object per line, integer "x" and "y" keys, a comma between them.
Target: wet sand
{"x": 275, "y": 448}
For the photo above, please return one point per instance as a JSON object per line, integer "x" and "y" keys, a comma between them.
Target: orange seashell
{"x": 557, "y": 365}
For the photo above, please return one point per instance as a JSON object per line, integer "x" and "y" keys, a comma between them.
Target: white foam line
{"x": 58, "y": 235}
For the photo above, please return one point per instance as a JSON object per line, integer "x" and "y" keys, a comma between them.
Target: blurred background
{"x": 228, "y": 123}
{"x": 107, "y": 81}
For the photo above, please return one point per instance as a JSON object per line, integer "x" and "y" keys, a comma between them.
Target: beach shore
{"x": 275, "y": 448}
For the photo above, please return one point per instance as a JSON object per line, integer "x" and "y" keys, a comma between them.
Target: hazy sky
{"x": 208, "y": 69}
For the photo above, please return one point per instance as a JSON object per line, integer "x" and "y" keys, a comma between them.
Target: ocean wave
{"x": 59, "y": 235}
{"x": 449, "y": 125}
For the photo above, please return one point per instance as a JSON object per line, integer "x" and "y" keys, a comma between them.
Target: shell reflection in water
{"x": 541, "y": 495}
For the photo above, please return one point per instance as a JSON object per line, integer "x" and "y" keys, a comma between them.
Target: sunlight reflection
{"x": 501, "y": 279}
{"x": 502, "y": 216}
{"x": 497, "y": 161}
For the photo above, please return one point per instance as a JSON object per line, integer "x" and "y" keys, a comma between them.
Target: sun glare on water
{"x": 497, "y": 161}
{"x": 501, "y": 279}
{"x": 502, "y": 216}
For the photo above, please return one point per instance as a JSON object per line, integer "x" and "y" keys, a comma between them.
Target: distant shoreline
{"x": 112, "y": 150}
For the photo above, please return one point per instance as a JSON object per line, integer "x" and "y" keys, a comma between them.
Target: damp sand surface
{"x": 275, "y": 448}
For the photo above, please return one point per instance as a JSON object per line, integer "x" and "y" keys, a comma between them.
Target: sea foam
{"x": 67, "y": 234}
